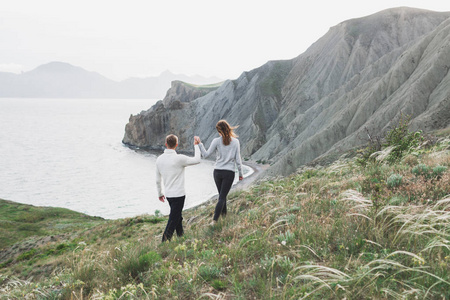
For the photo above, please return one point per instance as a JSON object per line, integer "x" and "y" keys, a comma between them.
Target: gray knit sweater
{"x": 227, "y": 157}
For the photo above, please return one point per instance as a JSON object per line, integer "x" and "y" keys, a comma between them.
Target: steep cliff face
{"x": 149, "y": 129}
{"x": 362, "y": 74}
{"x": 383, "y": 65}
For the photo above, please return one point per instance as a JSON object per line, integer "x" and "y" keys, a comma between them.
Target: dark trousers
{"x": 224, "y": 180}
{"x": 175, "y": 218}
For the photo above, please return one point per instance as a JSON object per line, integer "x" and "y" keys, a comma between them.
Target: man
{"x": 170, "y": 167}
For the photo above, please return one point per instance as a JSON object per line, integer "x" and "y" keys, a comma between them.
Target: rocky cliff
{"x": 149, "y": 129}
{"x": 362, "y": 74}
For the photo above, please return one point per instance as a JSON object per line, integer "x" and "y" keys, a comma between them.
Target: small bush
{"x": 61, "y": 246}
{"x": 26, "y": 255}
{"x": 149, "y": 259}
{"x": 286, "y": 238}
{"x": 133, "y": 260}
{"x": 289, "y": 218}
{"x": 399, "y": 140}
{"x": 421, "y": 170}
{"x": 218, "y": 284}
{"x": 309, "y": 173}
{"x": 209, "y": 273}
{"x": 394, "y": 180}
{"x": 402, "y": 139}
{"x": 438, "y": 171}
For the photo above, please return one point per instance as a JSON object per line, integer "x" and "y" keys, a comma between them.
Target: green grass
{"x": 20, "y": 221}
{"x": 341, "y": 231}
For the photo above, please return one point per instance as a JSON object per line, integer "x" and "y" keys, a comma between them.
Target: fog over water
{"x": 68, "y": 153}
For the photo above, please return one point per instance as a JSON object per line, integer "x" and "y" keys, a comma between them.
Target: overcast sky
{"x": 139, "y": 38}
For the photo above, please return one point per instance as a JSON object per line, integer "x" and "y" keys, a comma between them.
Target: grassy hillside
{"x": 378, "y": 228}
{"x": 20, "y": 221}
{"x": 212, "y": 86}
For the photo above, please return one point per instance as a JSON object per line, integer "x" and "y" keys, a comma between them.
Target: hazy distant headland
{"x": 63, "y": 80}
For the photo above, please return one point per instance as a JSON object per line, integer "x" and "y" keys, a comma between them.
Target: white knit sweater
{"x": 170, "y": 167}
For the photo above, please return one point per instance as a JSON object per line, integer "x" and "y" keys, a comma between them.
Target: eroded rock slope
{"x": 361, "y": 75}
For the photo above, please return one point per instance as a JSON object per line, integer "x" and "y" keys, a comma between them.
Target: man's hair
{"x": 171, "y": 141}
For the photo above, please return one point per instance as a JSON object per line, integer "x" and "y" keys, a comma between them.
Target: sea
{"x": 69, "y": 153}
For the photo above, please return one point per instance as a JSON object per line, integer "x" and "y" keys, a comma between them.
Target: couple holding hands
{"x": 170, "y": 168}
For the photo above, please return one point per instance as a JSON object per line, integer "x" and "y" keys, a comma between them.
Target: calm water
{"x": 68, "y": 153}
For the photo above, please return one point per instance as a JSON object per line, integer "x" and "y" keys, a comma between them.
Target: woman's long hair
{"x": 226, "y": 131}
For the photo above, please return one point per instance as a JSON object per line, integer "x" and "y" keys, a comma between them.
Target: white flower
{"x": 283, "y": 243}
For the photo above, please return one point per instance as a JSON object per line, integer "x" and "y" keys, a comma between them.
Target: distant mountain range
{"x": 63, "y": 80}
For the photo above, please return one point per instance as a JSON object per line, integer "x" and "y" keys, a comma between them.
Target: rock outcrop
{"x": 363, "y": 74}
{"x": 149, "y": 128}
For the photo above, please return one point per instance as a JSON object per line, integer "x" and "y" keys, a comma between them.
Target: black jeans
{"x": 175, "y": 218}
{"x": 224, "y": 180}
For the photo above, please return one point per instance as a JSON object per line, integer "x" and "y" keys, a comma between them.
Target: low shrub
{"x": 394, "y": 180}
{"x": 133, "y": 260}
{"x": 209, "y": 273}
{"x": 397, "y": 142}
{"x": 402, "y": 139}
{"x": 149, "y": 259}
{"x": 421, "y": 170}
{"x": 438, "y": 171}
{"x": 218, "y": 284}
{"x": 286, "y": 238}
{"x": 26, "y": 255}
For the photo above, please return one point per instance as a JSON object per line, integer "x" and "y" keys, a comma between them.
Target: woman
{"x": 228, "y": 155}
